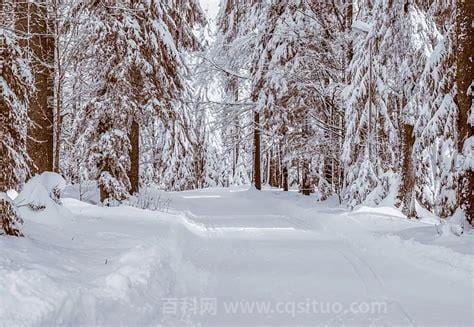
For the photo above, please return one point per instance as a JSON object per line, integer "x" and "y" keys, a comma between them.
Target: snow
{"x": 12, "y": 194}
{"x": 37, "y": 201}
{"x": 230, "y": 248}
{"x": 39, "y": 189}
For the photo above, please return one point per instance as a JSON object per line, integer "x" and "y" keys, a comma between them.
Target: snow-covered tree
{"x": 228, "y": 58}
{"x": 15, "y": 90}
{"x": 435, "y": 128}
{"x": 138, "y": 71}
{"x": 380, "y": 114}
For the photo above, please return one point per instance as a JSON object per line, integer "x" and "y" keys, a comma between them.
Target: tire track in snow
{"x": 372, "y": 281}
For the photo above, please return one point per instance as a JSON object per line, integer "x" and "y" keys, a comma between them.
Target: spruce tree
{"x": 136, "y": 47}
{"x": 15, "y": 88}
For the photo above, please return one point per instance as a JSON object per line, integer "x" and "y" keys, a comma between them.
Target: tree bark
{"x": 284, "y": 177}
{"x": 305, "y": 183}
{"x": 134, "y": 174}
{"x": 40, "y": 146}
{"x": 305, "y": 186}
{"x": 463, "y": 99}
{"x": 103, "y": 166}
{"x": 58, "y": 85}
{"x": 406, "y": 193}
{"x": 257, "y": 172}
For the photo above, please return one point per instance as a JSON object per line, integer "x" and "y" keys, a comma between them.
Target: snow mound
{"x": 454, "y": 226}
{"x": 40, "y": 201}
{"x": 382, "y": 211}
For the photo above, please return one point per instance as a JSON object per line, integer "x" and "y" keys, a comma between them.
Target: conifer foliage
{"x": 15, "y": 88}
{"x": 136, "y": 51}
{"x": 367, "y": 101}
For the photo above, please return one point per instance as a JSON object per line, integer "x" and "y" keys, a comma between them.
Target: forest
{"x": 153, "y": 103}
{"x": 290, "y": 94}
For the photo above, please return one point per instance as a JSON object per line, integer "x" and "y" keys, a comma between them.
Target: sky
{"x": 211, "y": 7}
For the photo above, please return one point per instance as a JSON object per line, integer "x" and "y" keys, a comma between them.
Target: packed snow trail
{"x": 235, "y": 257}
{"x": 273, "y": 252}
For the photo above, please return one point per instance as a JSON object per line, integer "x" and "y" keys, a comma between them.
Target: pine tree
{"x": 15, "y": 83}
{"x": 229, "y": 60}
{"x": 228, "y": 25}
{"x": 414, "y": 45}
{"x": 386, "y": 70}
{"x": 137, "y": 49}
{"x": 435, "y": 126}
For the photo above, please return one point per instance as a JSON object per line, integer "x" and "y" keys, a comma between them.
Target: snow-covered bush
{"x": 150, "y": 198}
{"x": 40, "y": 190}
{"x": 39, "y": 201}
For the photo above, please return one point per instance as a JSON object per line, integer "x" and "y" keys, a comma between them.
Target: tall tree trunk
{"x": 406, "y": 193}
{"x": 283, "y": 159}
{"x": 348, "y": 29}
{"x": 284, "y": 176}
{"x": 305, "y": 186}
{"x": 464, "y": 79}
{"x": 305, "y": 182}
{"x": 105, "y": 165}
{"x": 103, "y": 194}
{"x": 232, "y": 88}
{"x": 12, "y": 144}
{"x": 40, "y": 132}
{"x": 257, "y": 172}
{"x": 273, "y": 174}
{"x": 134, "y": 174}
{"x": 58, "y": 83}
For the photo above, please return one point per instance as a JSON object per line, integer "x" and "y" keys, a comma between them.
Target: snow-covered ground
{"x": 234, "y": 257}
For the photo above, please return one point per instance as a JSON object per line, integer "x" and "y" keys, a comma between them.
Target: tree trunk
{"x": 305, "y": 186}
{"x": 103, "y": 194}
{"x": 305, "y": 183}
{"x": 232, "y": 88}
{"x": 40, "y": 132}
{"x": 257, "y": 173}
{"x": 463, "y": 99}
{"x": 284, "y": 177}
{"x": 59, "y": 79}
{"x": 348, "y": 28}
{"x": 134, "y": 174}
{"x": 406, "y": 193}
{"x": 283, "y": 158}
{"x": 103, "y": 166}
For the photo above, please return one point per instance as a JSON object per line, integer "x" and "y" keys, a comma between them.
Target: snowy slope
{"x": 254, "y": 258}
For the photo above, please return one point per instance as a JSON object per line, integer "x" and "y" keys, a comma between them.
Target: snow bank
{"x": 108, "y": 266}
{"x": 455, "y": 225}
{"x": 380, "y": 211}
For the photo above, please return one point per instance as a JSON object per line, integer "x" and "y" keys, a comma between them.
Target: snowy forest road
{"x": 233, "y": 257}
{"x": 279, "y": 260}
